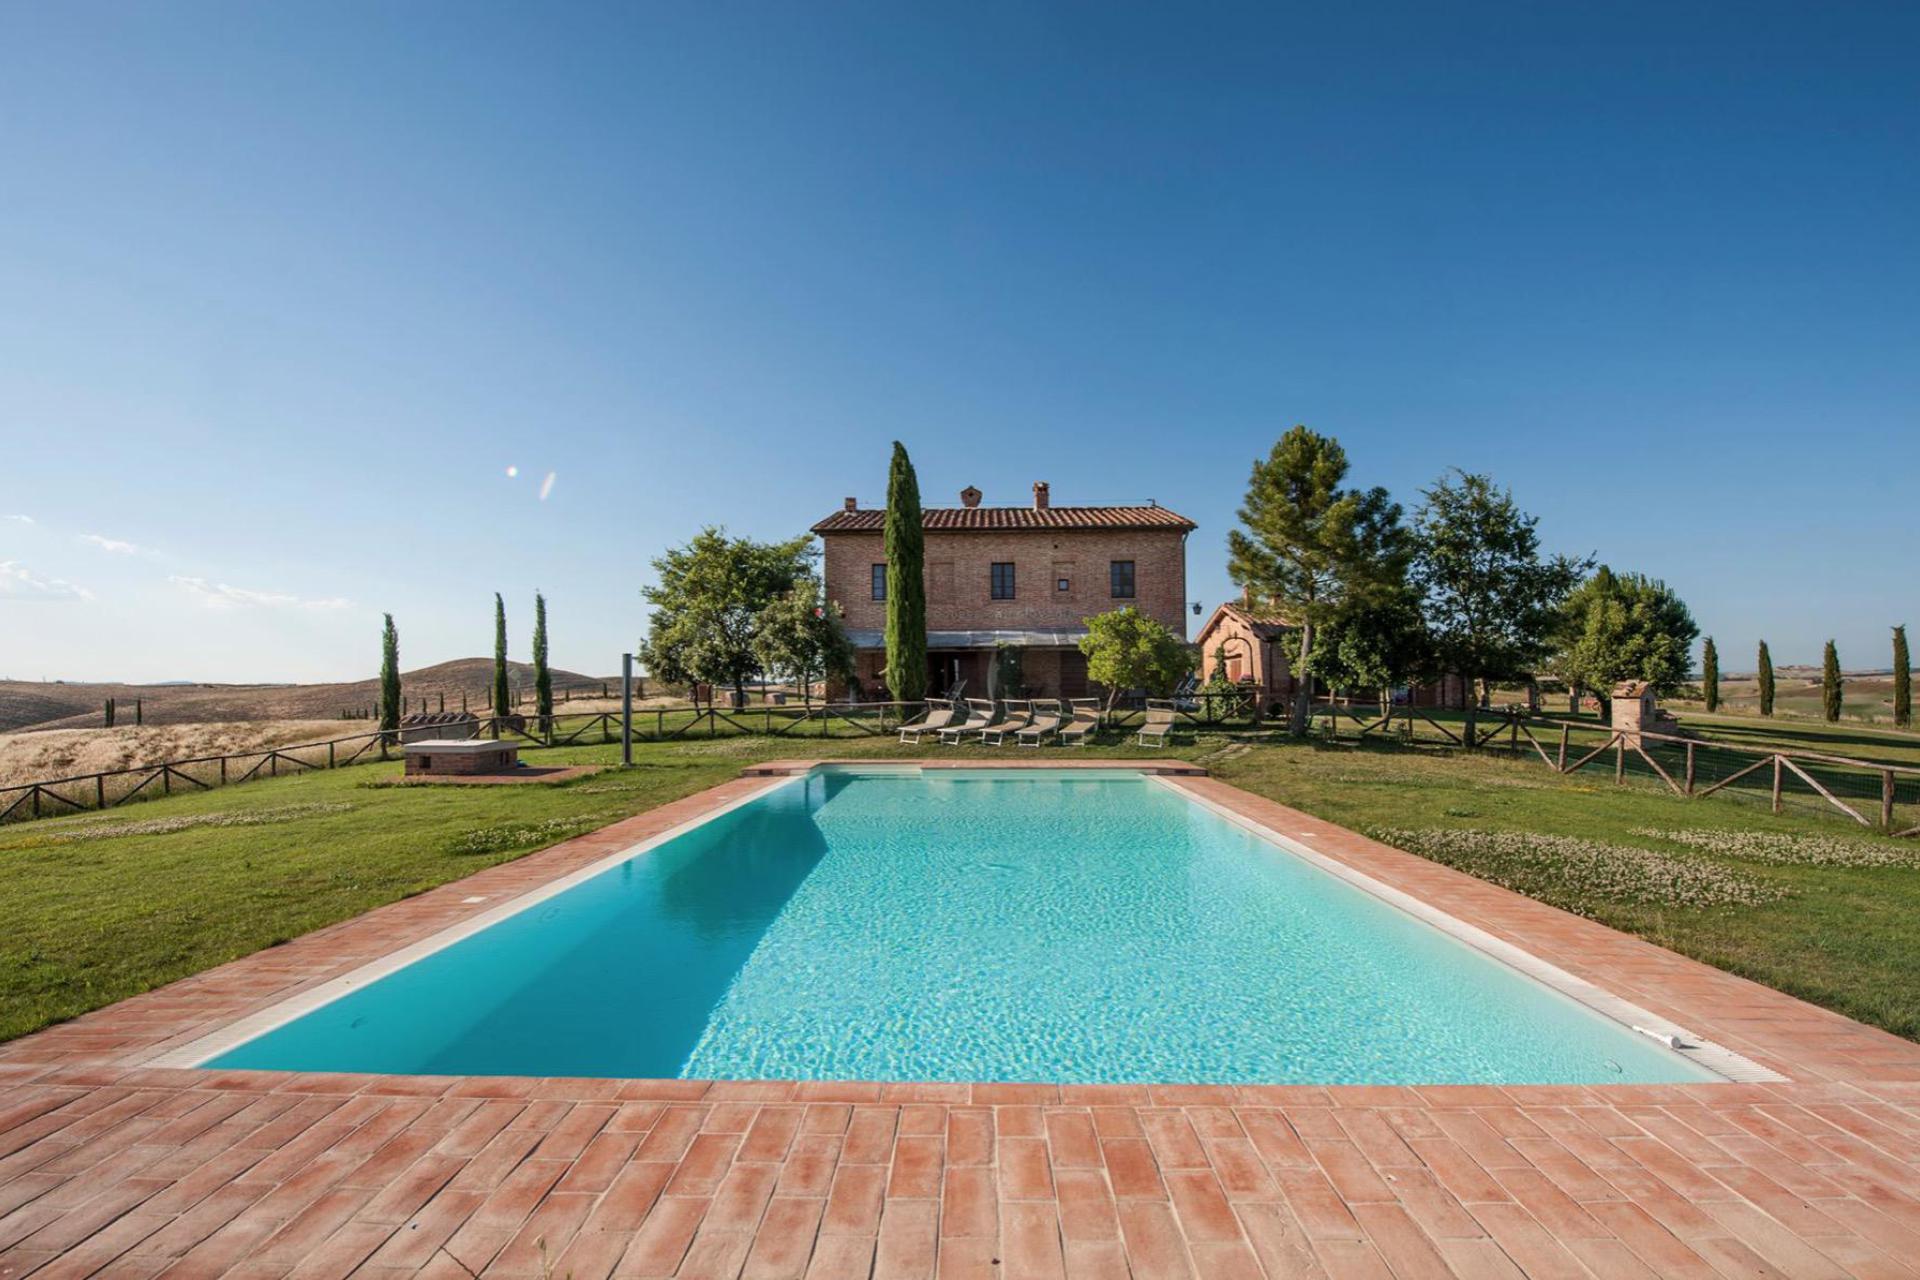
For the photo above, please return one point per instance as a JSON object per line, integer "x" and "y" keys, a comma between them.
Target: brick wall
{"x": 959, "y": 578}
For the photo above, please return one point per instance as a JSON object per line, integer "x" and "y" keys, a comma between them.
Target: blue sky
{"x": 287, "y": 288}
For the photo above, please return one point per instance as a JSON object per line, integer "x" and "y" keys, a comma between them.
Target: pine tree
{"x": 1902, "y": 680}
{"x": 1830, "y": 684}
{"x": 542, "y": 677}
{"x": 502, "y": 699}
{"x": 1710, "y": 675}
{"x": 1766, "y": 680}
{"x": 390, "y": 676}
{"x": 906, "y": 673}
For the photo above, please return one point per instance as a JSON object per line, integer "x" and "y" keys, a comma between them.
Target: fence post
{"x": 1619, "y": 759}
{"x": 329, "y": 755}
{"x": 1562, "y": 766}
{"x": 626, "y": 709}
{"x": 1776, "y": 784}
{"x": 223, "y": 771}
{"x": 166, "y": 779}
{"x": 1886, "y": 798}
{"x": 100, "y": 791}
{"x": 1689, "y": 768}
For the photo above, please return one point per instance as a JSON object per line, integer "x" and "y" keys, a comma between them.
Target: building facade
{"x": 1026, "y": 578}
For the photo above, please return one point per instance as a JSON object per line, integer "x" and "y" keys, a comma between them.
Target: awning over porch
{"x": 1067, "y": 638}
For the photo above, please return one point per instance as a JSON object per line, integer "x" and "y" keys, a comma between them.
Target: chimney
{"x": 1039, "y": 495}
{"x": 969, "y": 497}
{"x": 853, "y": 504}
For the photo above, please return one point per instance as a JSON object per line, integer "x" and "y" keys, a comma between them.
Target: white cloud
{"x": 21, "y": 583}
{"x": 115, "y": 545}
{"x": 19, "y": 519}
{"x": 218, "y": 595}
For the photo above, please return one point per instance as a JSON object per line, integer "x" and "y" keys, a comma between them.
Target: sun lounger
{"x": 981, "y": 715}
{"x": 938, "y": 715}
{"x": 1019, "y": 716}
{"x": 1086, "y": 718}
{"x": 1159, "y": 724}
{"x": 1046, "y": 719}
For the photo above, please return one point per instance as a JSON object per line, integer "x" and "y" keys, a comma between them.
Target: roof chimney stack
{"x": 853, "y": 504}
{"x": 969, "y": 497}
{"x": 1039, "y": 495}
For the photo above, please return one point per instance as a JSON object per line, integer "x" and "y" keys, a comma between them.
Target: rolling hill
{"x": 30, "y": 705}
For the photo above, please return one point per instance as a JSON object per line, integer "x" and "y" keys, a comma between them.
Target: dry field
{"x": 66, "y": 753}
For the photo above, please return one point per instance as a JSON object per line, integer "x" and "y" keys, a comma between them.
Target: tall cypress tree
{"x": 390, "y": 676}
{"x": 1902, "y": 680}
{"x": 906, "y": 582}
{"x": 1830, "y": 683}
{"x": 1766, "y": 680}
{"x": 1710, "y": 674}
{"x": 502, "y": 696}
{"x": 542, "y": 677}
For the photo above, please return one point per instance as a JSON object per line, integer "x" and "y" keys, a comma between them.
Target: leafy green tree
{"x": 1007, "y": 677}
{"x": 1830, "y": 683}
{"x": 390, "y": 676}
{"x": 1375, "y": 644}
{"x": 708, "y": 603}
{"x": 1312, "y": 547}
{"x": 1902, "y": 680}
{"x": 1710, "y": 675}
{"x": 542, "y": 676}
{"x": 1765, "y": 680}
{"x": 1492, "y": 600}
{"x": 1624, "y": 626}
{"x": 502, "y": 696}
{"x": 1125, "y": 649}
{"x": 799, "y": 635}
{"x": 905, "y": 540}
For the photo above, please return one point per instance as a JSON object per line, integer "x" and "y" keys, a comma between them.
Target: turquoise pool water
{"x": 966, "y": 926}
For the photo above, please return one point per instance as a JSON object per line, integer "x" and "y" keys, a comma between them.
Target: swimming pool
{"x": 973, "y": 925}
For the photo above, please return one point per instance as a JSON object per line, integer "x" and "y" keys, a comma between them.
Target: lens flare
{"x": 546, "y": 486}
{"x": 512, "y": 472}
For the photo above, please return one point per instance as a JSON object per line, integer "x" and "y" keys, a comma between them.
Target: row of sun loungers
{"x": 1030, "y": 723}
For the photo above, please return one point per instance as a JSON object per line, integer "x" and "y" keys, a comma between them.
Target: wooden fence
{"x": 1875, "y": 794}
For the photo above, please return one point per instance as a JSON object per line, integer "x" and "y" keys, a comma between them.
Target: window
{"x": 1002, "y": 580}
{"x": 1063, "y": 584}
{"x": 879, "y": 582}
{"x": 1120, "y": 579}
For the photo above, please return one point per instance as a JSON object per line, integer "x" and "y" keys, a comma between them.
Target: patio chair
{"x": 1047, "y": 715}
{"x": 1019, "y": 716}
{"x": 1086, "y": 718}
{"x": 1159, "y": 724}
{"x": 938, "y": 715}
{"x": 981, "y": 716}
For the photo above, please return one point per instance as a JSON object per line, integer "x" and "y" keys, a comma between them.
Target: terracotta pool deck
{"x": 112, "y": 1168}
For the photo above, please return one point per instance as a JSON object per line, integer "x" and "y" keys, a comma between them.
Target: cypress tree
{"x": 906, "y": 583}
{"x": 390, "y": 676}
{"x": 1902, "y": 680}
{"x": 502, "y": 700}
{"x": 1830, "y": 683}
{"x": 542, "y": 677}
{"x": 109, "y": 713}
{"x": 1710, "y": 675}
{"x": 1766, "y": 680}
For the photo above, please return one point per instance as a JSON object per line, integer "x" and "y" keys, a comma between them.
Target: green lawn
{"x": 174, "y": 886}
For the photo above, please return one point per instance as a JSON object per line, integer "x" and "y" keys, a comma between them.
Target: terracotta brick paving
{"x": 111, "y": 1168}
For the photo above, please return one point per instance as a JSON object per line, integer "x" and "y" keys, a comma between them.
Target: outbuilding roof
{"x": 1001, "y": 519}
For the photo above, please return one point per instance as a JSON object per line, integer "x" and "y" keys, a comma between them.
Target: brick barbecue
{"x": 460, "y": 757}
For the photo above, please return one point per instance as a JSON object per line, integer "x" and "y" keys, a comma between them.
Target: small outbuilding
{"x": 1636, "y": 710}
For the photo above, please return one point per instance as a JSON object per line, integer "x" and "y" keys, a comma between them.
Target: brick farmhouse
{"x": 1027, "y": 577}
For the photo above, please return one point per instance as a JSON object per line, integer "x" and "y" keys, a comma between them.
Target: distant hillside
{"x": 32, "y": 705}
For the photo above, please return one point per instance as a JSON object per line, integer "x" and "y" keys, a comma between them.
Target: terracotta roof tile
{"x": 995, "y": 519}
